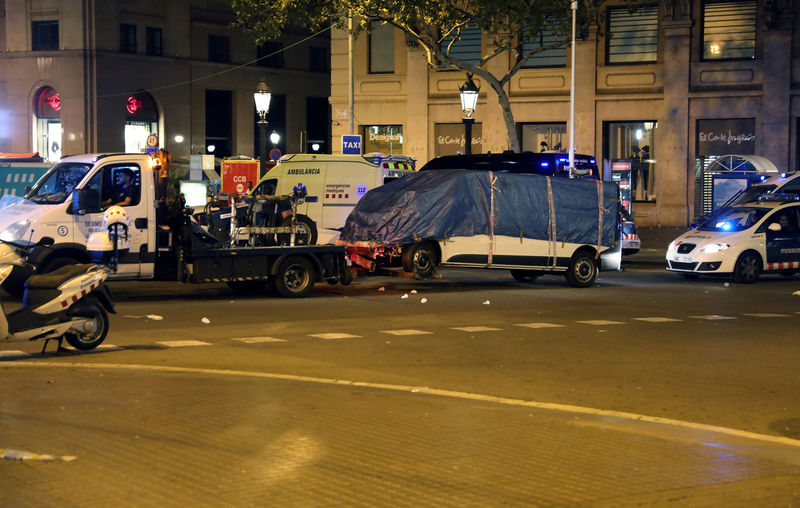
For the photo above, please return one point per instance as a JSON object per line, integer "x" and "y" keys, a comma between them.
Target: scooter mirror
{"x": 46, "y": 241}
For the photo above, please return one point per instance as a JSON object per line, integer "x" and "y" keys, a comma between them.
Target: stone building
{"x": 661, "y": 92}
{"x": 82, "y": 76}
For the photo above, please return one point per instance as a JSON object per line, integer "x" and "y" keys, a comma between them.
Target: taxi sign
{"x": 351, "y": 145}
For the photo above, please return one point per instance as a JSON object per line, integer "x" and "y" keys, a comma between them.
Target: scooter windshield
{"x": 58, "y": 183}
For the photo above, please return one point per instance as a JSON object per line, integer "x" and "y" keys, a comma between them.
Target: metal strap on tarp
{"x": 492, "y": 188}
{"x": 552, "y": 246}
{"x": 600, "y": 210}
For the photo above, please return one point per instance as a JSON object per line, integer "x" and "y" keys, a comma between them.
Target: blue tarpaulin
{"x": 434, "y": 205}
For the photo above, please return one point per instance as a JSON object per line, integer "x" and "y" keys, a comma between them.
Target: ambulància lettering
{"x": 303, "y": 171}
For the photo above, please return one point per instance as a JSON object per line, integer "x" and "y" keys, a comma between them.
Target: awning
{"x": 735, "y": 162}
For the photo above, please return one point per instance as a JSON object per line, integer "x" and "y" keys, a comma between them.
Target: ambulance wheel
{"x": 419, "y": 259}
{"x": 307, "y": 234}
{"x": 582, "y": 270}
{"x": 94, "y": 331}
{"x": 747, "y": 268}
{"x": 525, "y": 275}
{"x": 248, "y": 287}
{"x": 294, "y": 278}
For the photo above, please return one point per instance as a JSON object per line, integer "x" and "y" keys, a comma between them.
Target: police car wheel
{"x": 747, "y": 268}
{"x": 582, "y": 270}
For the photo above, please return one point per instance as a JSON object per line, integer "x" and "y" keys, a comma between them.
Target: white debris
{"x": 413, "y": 291}
{"x": 727, "y": 284}
{"x": 404, "y": 296}
{"x": 424, "y": 300}
{"x": 381, "y": 288}
{"x": 205, "y": 320}
{"x": 796, "y": 293}
{"x": 9, "y": 454}
{"x": 155, "y": 317}
{"x": 486, "y": 302}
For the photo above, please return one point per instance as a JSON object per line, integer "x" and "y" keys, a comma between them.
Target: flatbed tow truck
{"x": 165, "y": 242}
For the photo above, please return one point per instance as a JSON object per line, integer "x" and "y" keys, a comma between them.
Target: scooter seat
{"x": 57, "y": 277}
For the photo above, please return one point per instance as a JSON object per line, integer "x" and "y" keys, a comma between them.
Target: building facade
{"x": 82, "y": 76}
{"x": 659, "y": 93}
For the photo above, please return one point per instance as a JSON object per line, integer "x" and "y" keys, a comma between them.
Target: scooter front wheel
{"x": 93, "y": 332}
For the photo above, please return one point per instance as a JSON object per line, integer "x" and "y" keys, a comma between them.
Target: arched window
{"x": 47, "y": 108}
{"x": 141, "y": 120}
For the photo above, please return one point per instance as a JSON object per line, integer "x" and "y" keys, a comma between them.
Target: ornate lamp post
{"x": 469, "y": 100}
{"x": 261, "y": 96}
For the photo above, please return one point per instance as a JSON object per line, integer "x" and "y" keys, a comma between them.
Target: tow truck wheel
{"x": 582, "y": 270}
{"x": 294, "y": 278}
{"x": 747, "y": 268}
{"x": 247, "y": 287}
{"x": 419, "y": 259}
{"x": 525, "y": 275}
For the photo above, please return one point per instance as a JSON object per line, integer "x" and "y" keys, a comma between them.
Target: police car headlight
{"x": 714, "y": 247}
{"x": 15, "y": 231}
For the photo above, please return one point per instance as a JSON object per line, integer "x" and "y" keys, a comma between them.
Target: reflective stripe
{"x": 785, "y": 265}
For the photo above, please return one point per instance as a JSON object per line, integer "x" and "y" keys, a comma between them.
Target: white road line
{"x": 183, "y": 343}
{"x": 539, "y": 325}
{"x": 258, "y": 340}
{"x": 472, "y": 329}
{"x": 109, "y": 347}
{"x": 333, "y": 336}
{"x": 601, "y": 322}
{"x": 713, "y": 317}
{"x": 656, "y": 319}
{"x": 569, "y": 408}
{"x": 406, "y": 332}
{"x": 766, "y": 315}
{"x": 13, "y": 354}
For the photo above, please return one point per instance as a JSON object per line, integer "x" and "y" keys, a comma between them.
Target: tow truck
{"x": 166, "y": 243}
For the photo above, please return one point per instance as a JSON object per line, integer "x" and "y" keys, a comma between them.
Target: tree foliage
{"x": 434, "y": 25}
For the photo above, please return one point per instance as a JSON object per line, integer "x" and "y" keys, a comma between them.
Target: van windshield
{"x": 735, "y": 219}
{"x": 58, "y": 183}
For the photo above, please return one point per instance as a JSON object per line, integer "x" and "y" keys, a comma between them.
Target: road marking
{"x": 423, "y": 390}
{"x": 183, "y": 343}
{"x": 333, "y": 336}
{"x": 475, "y": 328}
{"x": 656, "y": 319}
{"x": 258, "y": 340}
{"x": 13, "y": 354}
{"x": 406, "y": 332}
{"x": 109, "y": 347}
{"x": 713, "y": 317}
{"x": 601, "y": 322}
{"x": 766, "y": 314}
{"x": 539, "y": 325}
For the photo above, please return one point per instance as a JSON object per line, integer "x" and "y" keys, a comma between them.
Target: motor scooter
{"x": 69, "y": 303}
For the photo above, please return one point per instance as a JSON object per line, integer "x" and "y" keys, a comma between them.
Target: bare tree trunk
{"x": 505, "y": 107}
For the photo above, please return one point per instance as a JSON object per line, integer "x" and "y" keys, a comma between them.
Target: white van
{"x": 333, "y": 183}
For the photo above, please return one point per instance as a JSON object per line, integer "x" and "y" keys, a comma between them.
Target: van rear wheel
{"x": 419, "y": 259}
{"x": 582, "y": 270}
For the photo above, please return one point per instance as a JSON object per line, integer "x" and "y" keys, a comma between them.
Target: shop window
{"x": 632, "y": 36}
{"x": 47, "y": 108}
{"x": 218, "y": 49}
{"x": 270, "y": 54}
{"x": 386, "y": 139}
{"x": 543, "y": 137}
{"x": 729, "y": 30}
{"x": 467, "y": 49}
{"x": 381, "y": 47}
{"x": 127, "y": 38}
{"x": 44, "y": 35}
{"x": 318, "y": 60}
{"x": 630, "y": 155}
{"x": 450, "y": 138}
{"x": 553, "y": 57}
{"x": 155, "y": 41}
{"x": 318, "y": 123}
{"x": 141, "y": 120}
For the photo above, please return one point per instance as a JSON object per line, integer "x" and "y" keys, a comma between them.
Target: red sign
{"x": 236, "y": 175}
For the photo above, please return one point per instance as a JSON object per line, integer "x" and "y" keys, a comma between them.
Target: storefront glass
{"x": 633, "y": 143}
{"x": 141, "y": 121}
{"x": 450, "y": 138}
{"x": 386, "y": 139}
{"x": 47, "y": 106}
{"x": 539, "y": 137}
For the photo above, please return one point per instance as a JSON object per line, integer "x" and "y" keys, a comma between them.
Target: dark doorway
{"x": 219, "y": 123}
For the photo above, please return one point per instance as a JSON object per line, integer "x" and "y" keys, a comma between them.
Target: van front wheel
{"x": 420, "y": 259}
{"x": 306, "y": 231}
{"x": 582, "y": 270}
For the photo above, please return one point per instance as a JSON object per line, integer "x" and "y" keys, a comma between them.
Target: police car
{"x": 743, "y": 242}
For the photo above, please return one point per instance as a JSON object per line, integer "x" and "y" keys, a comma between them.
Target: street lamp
{"x": 469, "y": 100}
{"x": 261, "y": 96}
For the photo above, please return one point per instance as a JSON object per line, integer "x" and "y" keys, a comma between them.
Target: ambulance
{"x": 333, "y": 184}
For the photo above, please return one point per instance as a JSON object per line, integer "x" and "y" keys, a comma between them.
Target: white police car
{"x": 747, "y": 240}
